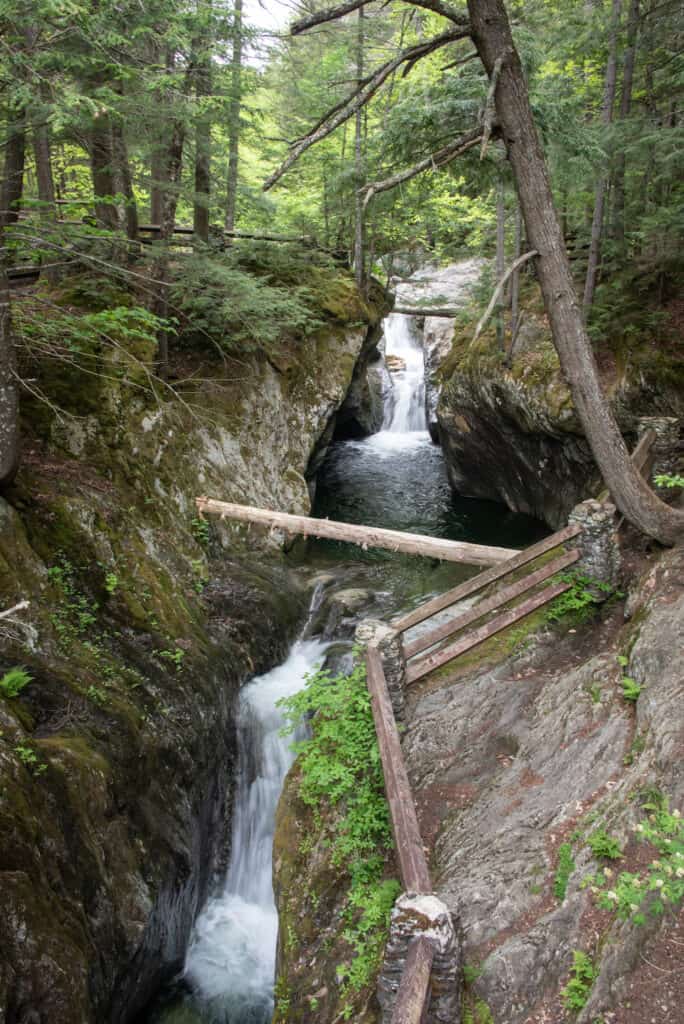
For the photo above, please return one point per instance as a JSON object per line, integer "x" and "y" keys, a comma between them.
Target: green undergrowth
{"x": 582, "y": 976}
{"x": 660, "y": 885}
{"x": 339, "y": 764}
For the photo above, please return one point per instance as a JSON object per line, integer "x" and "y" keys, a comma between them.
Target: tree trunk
{"x": 13, "y": 172}
{"x": 102, "y": 171}
{"x": 637, "y": 502}
{"x": 625, "y": 108}
{"x": 602, "y": 181}
{"x": 202, "y": 133}
{"x": 515, "y": 279}
{"x": 9, "y": 392}
{"x": 358, "y": 162}
{"x": 46, "y": 187}
{"x": 160, "y": 266}
{"x": 234, "y": 112}
{"x": 500, "y": 257}
{"x": 123, "y": 169}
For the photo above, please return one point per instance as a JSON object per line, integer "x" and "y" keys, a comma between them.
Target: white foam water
{"x": 230, "y": 964}
{"x": 407, "y": 413}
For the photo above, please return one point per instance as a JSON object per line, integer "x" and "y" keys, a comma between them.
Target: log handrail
{"x": 413, "y": 867}
{"x": 413, "y": 994}
{"x": 491, "y": 604}
{"x": 641, "y": 453}
{"x": 478, "y": 636}
{"x": 366, "y": 536}
{"x": 476, "y": 583}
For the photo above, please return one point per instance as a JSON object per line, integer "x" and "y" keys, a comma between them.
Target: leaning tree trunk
{"x": 9, "y": 393}
{"x": 602, "y": 181}
{"x": 493, "y": 39}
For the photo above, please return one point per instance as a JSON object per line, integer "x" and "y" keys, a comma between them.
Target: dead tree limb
{"x": 15, "y": 608}
{"x": 499, "y": 288}
{"x": 490, "y": 108}
{"x": 444, "y": 312}
{"x": 333, "y": 13}
{"x": 359, "y": 97}
{"x": 438, "y": 159}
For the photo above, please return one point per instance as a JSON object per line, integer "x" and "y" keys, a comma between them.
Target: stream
{"x": 395, "y": 478}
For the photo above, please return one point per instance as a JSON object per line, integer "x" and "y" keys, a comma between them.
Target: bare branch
{"x": 462, "y": 60}
{"x": 333, "y": 13}
{"x": 16, "y": 608}
{"x": 490, "y": 107}
{"x": 438, "y": 159}
{"x": 499, "y": 288}
{"x": 360, "y": 97}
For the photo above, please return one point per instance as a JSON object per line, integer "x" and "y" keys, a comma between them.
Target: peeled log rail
{"x": 466, "y": 643}
{"x": 440, "y": 311}
{"x": 413, "y": 867}
{"x": 642, "y": 452}
{"x": 491, "y": 604}
{"x": 471, "y": 586}
{"x": 366, "y": 536}
{"x": 413, "y": 993}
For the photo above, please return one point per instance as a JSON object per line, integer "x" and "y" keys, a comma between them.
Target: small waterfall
{"x": 230, "y": 964}
{"x": 407, "y": 414}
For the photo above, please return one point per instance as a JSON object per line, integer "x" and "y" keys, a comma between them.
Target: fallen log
{"x": 365, "y": 536}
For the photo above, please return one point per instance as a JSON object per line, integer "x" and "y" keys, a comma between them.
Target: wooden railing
{"x": 435, "y": 638}
{"x": 413, "y": 996}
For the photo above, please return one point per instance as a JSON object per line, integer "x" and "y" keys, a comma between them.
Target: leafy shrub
{"x": 603, "y": 845}
{"x": 583, "y": 975}
{"x": 665, "y": 480}
{"x": 340, "y": 766}
{"x": 577, "y": 603}
{"x": 14, "y": 681}
{"x": 662, "y": 881}
{"x": 220, "y": 304}
{"x": 566, "y": 866}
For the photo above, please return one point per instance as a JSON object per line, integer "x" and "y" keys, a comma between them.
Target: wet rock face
{"x": 515, "y": 444}
{"x": 362, "y": 411}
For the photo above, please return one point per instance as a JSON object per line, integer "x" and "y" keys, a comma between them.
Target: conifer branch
{"x": 438, "y": 159}
{"x": 360, "y": 97}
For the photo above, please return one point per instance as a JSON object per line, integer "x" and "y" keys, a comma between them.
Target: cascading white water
{"x": 407, "y": 412}
{"x": 230, "y": 964}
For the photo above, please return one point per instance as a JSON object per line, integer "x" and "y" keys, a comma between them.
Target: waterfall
{"x": 407, "y": 414}
{"x": 230, "y": 964}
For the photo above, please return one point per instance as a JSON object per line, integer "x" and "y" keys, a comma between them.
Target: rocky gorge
{"x": 118, "y": 757}
{"x": 120, "y": 760}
